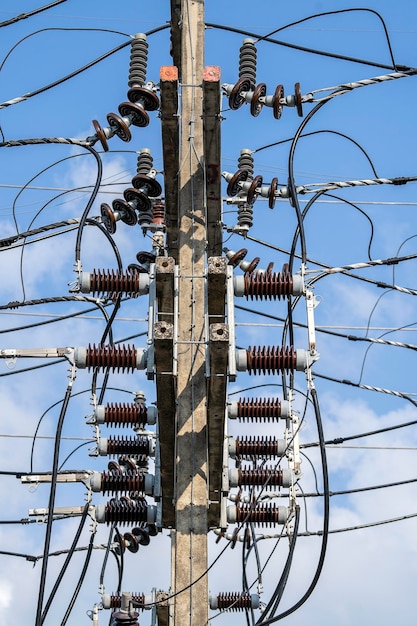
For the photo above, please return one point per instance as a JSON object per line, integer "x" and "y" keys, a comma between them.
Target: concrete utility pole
{"x": 189, "y": 559}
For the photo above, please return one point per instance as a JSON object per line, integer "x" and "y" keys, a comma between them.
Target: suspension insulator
{"x": 111, "y": 446}
{"x": 125, "y": 511}
{"x": 265, "y": 477}
{"x": 114, "y": 600}
{"x": 265, "y": 515}
{"x": 110, "y": 282}
{"x": 247, "y": 61}
{"x": 138, "y": 60}
{"x": 234, "y": 601}
{"x": 120, "y": 358}
{"x": 268, "y": 285}
{"x": 245, "y": 161}
{"x": 122, "y": 414}
{"x": 158, "y": 216}
{"x": 245, "y": 216}
{"x": 144, "y": 162}
{"x": 145, "y": 217}
{"x": 271, "y": 360}
{"x": 265, "y": 410}
{"x": 114, "y": 482}
{"x": 254, "y": 447}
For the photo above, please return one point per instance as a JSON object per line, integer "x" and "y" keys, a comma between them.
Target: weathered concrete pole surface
{"x": 190, "y": 608}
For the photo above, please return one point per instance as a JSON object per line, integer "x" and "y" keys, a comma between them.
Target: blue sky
{"x": 362, "y": 567}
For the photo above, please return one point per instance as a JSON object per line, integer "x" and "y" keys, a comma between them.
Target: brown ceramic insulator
{"x": 252, "y": 194}
{"x": 234, "y": 601}
{"x": 268, "y": 285}
{"x": 131, "y": 542}
{"x": 265, "y": 477}
{"x": 259, "y": 410}
{"x": 255, "y": 105}
{"x": 120, "y": 358}
{"x": 158, "y": 213}
{"x": 125, "y": 210}
{"x": 138, "y": 600}
{"x": 252, "y": 265}
{"x": 271, "y": 194}
{"x": 113, "y": 482}
{"x": 236, "y": 99}
{"x": 128, "y": 445}
{"x": 126, "y": 511}
{"x": 147, "y": 185}
{"x": 256, "y": 447}
{"x": 271, "y": 359}
{"x": 233, "y": 187}
{"x": 103, "y": 282}
{"x": 119, "y": 127}
{"x": 123, "y": 414}
{"x": 298, "y": 100}
{"x": 101, "y": 135}
{"x": 237, "y": 257}
{"x": 277, "y": 107}
{"x": 135, "y": 113}
{"x": 108, "y": 218}
{"x": 146, "y": 97}
{"x": 265, "y": 515}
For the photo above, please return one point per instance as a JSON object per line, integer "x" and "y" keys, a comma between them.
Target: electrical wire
{"x": 48, "y": 532}
{"x": 66, "y": 562}
{"x": 286, "y": 44}
{"x": 23, "y": 16}
{"x": 80, "y": 581}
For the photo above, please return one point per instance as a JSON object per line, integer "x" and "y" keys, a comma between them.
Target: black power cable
{"x": 49, "y": 520}
{"x": 66, "y": 562}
